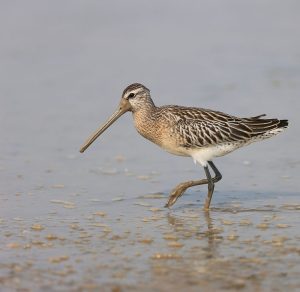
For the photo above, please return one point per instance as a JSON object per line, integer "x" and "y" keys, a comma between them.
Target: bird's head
{"x": 134, "y": 97}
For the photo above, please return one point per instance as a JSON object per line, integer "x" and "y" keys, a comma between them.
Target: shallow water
{"x": 83, "y": 243}
{"x": 96, "y": 221}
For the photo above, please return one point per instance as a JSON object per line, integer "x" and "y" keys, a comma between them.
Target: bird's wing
{"x": 200, "y": 133}
{"x": 200, "y": 128}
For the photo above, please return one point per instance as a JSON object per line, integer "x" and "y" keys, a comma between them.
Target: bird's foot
{"x": 176, "y": 193}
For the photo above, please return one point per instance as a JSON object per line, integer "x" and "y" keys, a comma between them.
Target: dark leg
{"x": 211, "y": 182}
{"x": 211, "y": 187}
{"x": 218, "y": 175}
{"x": 178, "y": 191}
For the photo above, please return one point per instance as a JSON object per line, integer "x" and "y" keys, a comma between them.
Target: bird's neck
{"x": 146, "y": 107}
{"x": 145, "y": 120}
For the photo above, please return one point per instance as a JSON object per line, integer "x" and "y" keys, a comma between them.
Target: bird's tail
{"x": 265, "y": 128}
{"x": 283, "y": 124}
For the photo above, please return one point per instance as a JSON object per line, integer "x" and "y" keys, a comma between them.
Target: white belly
{"x": 202, "y": 155}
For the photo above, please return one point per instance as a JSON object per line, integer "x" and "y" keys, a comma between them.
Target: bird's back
{"x": 197, "y": 127}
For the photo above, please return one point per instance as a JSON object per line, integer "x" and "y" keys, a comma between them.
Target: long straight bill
{"x": 97, "y": 133}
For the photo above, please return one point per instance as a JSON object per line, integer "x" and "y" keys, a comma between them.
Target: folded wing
{"x": 199, "y": 128}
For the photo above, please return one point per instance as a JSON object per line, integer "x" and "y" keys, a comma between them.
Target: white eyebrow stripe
{"x": 135, "y": 91}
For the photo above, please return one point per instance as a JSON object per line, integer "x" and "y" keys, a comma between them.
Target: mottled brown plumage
{"x": 200, "y": 133}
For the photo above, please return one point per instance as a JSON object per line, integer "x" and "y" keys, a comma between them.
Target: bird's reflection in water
{"x": 199, "y": 226}
{"x": 190, "y": 260}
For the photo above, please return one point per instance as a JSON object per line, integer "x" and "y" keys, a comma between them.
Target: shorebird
{"x": 202, "y": 134}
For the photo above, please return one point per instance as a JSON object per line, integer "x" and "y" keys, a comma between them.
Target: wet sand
{"x": 96, "y": 221}
{"x": 85, "y": 244}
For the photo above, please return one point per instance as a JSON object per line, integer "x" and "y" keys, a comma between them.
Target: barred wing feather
{"x": 212, "y": 128}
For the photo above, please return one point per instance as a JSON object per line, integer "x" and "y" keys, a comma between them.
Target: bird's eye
{"x": 131, "y": 95}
